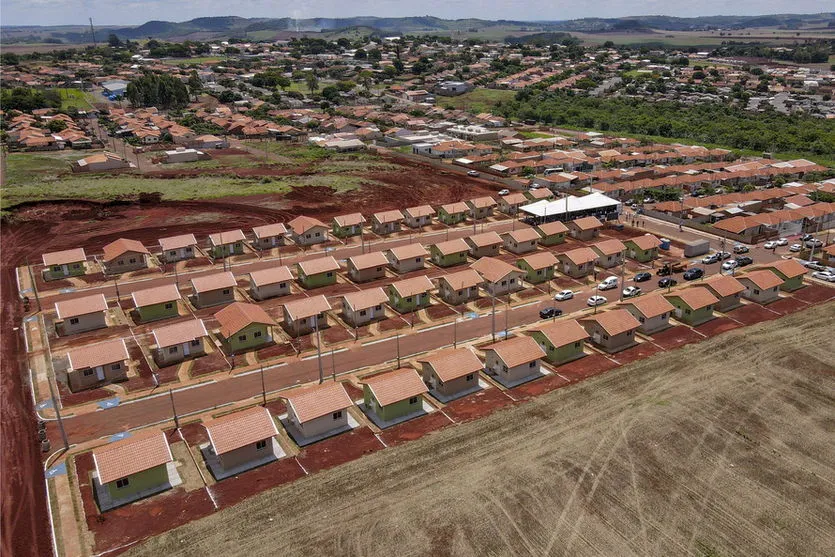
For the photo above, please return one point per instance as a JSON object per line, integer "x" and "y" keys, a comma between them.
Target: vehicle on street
{"x": 710, "y": 259}
{"x": 504, "y": 192}
{"x": 534, "y": 187}
{"x": 806, "y": 237}
{"x": 828, "y": 276}
{"x": 596, "y": 301}
{"x": 642, "y": 277}
{"x": 549, "y": 312}
{"x": 813, "y": 243}
{"x": 740, "y": 248}
{"x": 631, "y": 291}
{"x": 723, "y": 254}
{"x": 608, "y": 283}
{"x": 667, "y": 282}
{"x": 729, "y": 265}
{"x": 693, "y": 274}
{"x": 770, "y": 245}
{"x": 782, "y": 241}
{"x": 795, "y": 247}
{"x": 472, "y": 173}
{"x": 563, "y": 295}
{"x": 743, "y": 261}
{"x": 813, "y": 265}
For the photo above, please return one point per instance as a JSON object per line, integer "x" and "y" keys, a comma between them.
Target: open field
{"x": 767, "y": 35}
{"x": 478, "y": 100}
{"x": 720, "y": 448}
{"x": 194, "y": 60}
{"x": 76, "y": 98}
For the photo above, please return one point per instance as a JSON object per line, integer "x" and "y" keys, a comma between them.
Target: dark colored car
{"x": 743, "y": 260}
{"x": 548, "y": 313}
{"x": 664, "y": 271}
{"x": 642, "y": 277}
{"x": 693, "y": 274}
{"x": 667, "y": 282}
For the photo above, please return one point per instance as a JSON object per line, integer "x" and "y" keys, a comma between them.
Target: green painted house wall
{"x": 402, "y": 305}
{"x": 141, "y": 481}
{"x": 552, "y": 240}
{"x": 558, "y": 355}
{"x": 228, "y": 249}
{"x": 446, "y": 218}
{"x": 694, "y": 316}
{"x": 447, "y": 260}
{"x": 157, "y": 311}
{"x": 790, "y": 284}
{"x": 235, "y": 344}
{"x": 392, "y": 411}
{"x": 73, "y": 270}
{"x": 317, "y": 280}
{"x": 641, "y": 255}
{"x": 530, "y": 273}
{"x": 345, "y": 231}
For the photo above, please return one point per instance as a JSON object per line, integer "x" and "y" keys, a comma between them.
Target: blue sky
{"x": 134, "y": 12}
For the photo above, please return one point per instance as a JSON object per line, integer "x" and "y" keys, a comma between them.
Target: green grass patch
{"x": 75, "y": 98}
{"x": 195, "y": 60}
{"x": 478, "y": 100}
{"x": 533, "y": 135}
{"x": 23, "y": 168}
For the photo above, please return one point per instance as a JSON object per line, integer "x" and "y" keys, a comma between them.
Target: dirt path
{"x": 720, "y": 448}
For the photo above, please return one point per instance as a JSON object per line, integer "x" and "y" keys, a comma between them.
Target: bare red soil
{"x": 338, "y": 450}
{"x": 477, "y": 405}
{"x": 414, "y": 429}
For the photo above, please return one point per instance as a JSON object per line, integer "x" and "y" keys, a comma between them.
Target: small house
{"x": 761, "y": 286}
{"x": 694, "y": 305}
{"x": 315, "y": 273}
{"x": 561, "y": 341}
{"x": 363, "y": 307}
{"x": 386, "y": 222}
{"x": 159, "y": 302}
{"x": 790, "y": 271}
{"x": 240, "y": 441}
{"x": 453, "y": 213}
{"x": 345, "y": 226}
{"x": 179, "y": 341}
{"x": 123, "y": 255}
{"x": 94, "y": 365}
{"x": 551, "y": 233}
{"x": 269, "y": 236}
{"x": 305, "y": 315}
{"x": 62, "y": 264}
{"x": 652, "y": 312}
{"x": 521, "y": 240}
{"x": 643, "y": 248}
{"x": 367, "y": 267}
{"x": 609, "y": 252}
{"x": 612, "y": 330}
{"x": 513, "y": 361}
{"x": 418, "y": 217}
{"x": 224, "y": 244}
{"x": 82, "y": 314}
{"x": 538, "y": 267}
{"x": 451, "y": 373}
{"x": 586, "y": 228}
{"x": 306, "y": 231}
{"x": 394, "y": 395}
{"x": 408, "y": 258}
{"x": 270, "y": 283}
{"x": 318, "y": 411}
{"x": 499, "y": 278}
{"x": 510, "y": 203}
{"x": 411, "y": 294}
{"x": 481, "y": 207}
{"x": 459, "y": 288}
{"x": 539, "y": 194}
{"x": 244, "y": 326}
{"x": 486, "y": 244}
{"x": 727, "y": 290}
{"x": 577, "y": 263}
{"x": 449, "y": 253}
{"x": 214, "y": 289}
{"x": 178, "y": 248}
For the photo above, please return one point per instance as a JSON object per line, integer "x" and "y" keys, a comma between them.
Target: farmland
{"x": 479, "y": 100}
{"x": 695, "y": 451}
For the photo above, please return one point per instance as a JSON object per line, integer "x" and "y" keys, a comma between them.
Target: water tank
{"x": 665, "y": 243}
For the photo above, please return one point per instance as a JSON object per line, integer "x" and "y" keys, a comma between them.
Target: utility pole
{"x": 397, "y": 340}
{"x": 58, "y": 416}
{"x": 319, "y": 351}
{"x": 455, "y": 333}
{"x": 493, "y": 318}
{"x": 174, "y": 409}
{"x": 263, "y": 388}
{"x": 333, "y": 365}
{"x": 622, "y": 270}
{"x": 34, "y": 284}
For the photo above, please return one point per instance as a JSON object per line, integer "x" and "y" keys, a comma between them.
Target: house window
{"x": 641, "y": 319}
{"x": 409, "y": 300}
{"x": 512, "y": 281}
{"x": 195, "y": 342}
{"x": 73, "y": 320}
{"x": 663, "y": 316}
{"x": 539, "y": 272}
{"x": 417, "y": 259}
{"x": 307, "y": 236}
{"x": 172, "y": 253}
{"x": 256, "y": 334}
{"x": 188, "y": 250}
{"x": 532, "y": 364}
{"x": 337, "y": 414}
{"x": 120, "y": 262}
{"x": 362, "y": 312}
{"x": 226, "y": 291}
{"x": 123, "y": 482}
{"x": 605, "y": 337}
{"x": 169, "y": 305}
{"x": 756, "y": 291}
{"x": 318, "y": 234}
{"x": 132, "y": 260}
{"x": 172, "y": 350}
{"x": 261, "y": 445}
{"x": 379, "y": 269}
{"x": 504, "y": 283}
{"x": 330, "y": 274}
{"x": 282, "y": 285}
{"x": 577, "y": 344}
{"x": 87, "y": 372}
{"x": 629, "y": 333}
{"x": 687, "y": 312}
{"x": 378, "y": 307}
{"x": 470, "y": 376}
{"x": 413, "y": 400}
{"x": 242, "y": 338}
{"x": 460, "y": 292}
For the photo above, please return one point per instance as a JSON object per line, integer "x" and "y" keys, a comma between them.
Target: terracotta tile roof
{"x": 179, "y": 333}
{"x": 269, "y": 230}
{"x": 482, "y": 202}
{"x": 562, "y": 333}
{"x": 388, "y": 216}
{"x": 176, "y": 242}
{"x": 788, "y": 267}
{"x": 724, "y": 285}
{"x": 240, "y": 429}
{"x": 452, "y": 246}
{"x": 579, "y": 256}
{"x": 272, "y": 275}
{"x": 412, "y": 286}
{"x": 609, "y": 247}
{"x": 522, "y": 235}
{"x": 238, "y": 315}
{"x": 483, "y": 240}
{"x": 696, "y": 297}
{"x": 645, "y": 242}
{"x": 453, "y": 363}
{"x": 227, "y": 237}
{"x": 420, "y": 211}
{"x": 365, "y": 299}
{"x": 100, "y": 354}
{"x": 453, "y": 208}
{"x": 552, "y": 228}
{"x": 306, "y": 307}
{"x": 494, "y": 270}
{"x": 369, "y": 260}
{"x": 349, "y": 220}
{"x": 81, "y": 306}
{"x": 462, "y": 279}
{"x": 651, "y": 306}
{"x": 318, "y": 266}
{"x": 64, "y": 257}
{"x": 394, "y": 386}
{"x": 317, "y": 401}
{"x": 138, "y": 453}
{"x": 122, "y": 246}
{"x": 541, "y": 260}
{"x": 517, "y": 198}
{"x": 215, "y": 281}
{"x": 302, "y": 224}
{"x": 155, "y": 295}
{"x": 762, "y": 279}
{"x": 517, "y": 351}
{"x": 587, "y": 223}
{"x": 614, "y": 321}
{"x": 409, "y": 251}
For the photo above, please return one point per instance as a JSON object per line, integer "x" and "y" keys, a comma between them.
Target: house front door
{"x": 186, "y": 349}
{"x": 65, "y": 269}
{"x": 100, "y": 373}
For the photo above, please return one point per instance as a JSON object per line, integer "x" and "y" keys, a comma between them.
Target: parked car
{"x": 770, "y": 245}
{"x": 548, "y": 313}
{"x": 795, "y": 247}
{"x": 710, "y": 259}
{"x": 693, "y": 274}
{"x": 631, "y": 291}
{"x": 504, "y": 192}
{"x": 642, "y": 277}
{"x": 664, "y": 271}
{"x": 667, "y": 282}
{"x": 806, "y": 237}
{"x": 813, "y": 265}
{"x": 743, "y": 261}
{"x": 729, "y": 265}
{"x": 563, "y": 295}
{"x": 813, "y": 243}
{"x": 534, "y": 187}
{"x": 472, "y": 173}
{"x": 596, "y": 301}
{"x": 782, "y": 241}
{"x": 740, "y": 248}
{"x": 608, "y": 283}
{"x": 828, "y": 276}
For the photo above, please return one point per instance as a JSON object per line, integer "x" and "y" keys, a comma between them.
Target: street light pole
{"x": 493, "y": 318}
{"x": 397, "y": 340}
{"x": 319, "y": 351}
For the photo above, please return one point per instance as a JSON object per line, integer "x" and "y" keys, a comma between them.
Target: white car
{"x": 608, "y": 283}
{"x": 828, "y": 276}
{"x": 730, "y": 264}
{"x": 740, "y": 248}
{"x": 770, "y": 245}
{"x": 782, "y": 241}
{"x": 631, "y": 291}
{"x": 596, "y": 301}
{"x": 712, "y": 258}
{"x": 472, "y": 173}
{"x": 504, "y": 192}
{"x": 795, "y": 247}
{"x": 563, "y": 295}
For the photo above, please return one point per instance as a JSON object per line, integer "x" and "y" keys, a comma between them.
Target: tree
{"x": 194, "y": 83}
{"x": 365, "y": 77}
{"x": 312, "y": 82}
{"x": 331, "y": 93}
{"x": 162, "y": 91}
{"x": 56, "y": 125}
{"x": 360, "y": 54}
{"x": 114, "y": 41}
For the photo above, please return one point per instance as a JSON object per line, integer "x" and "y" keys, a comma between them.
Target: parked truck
{"x": 696, "y": 247}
